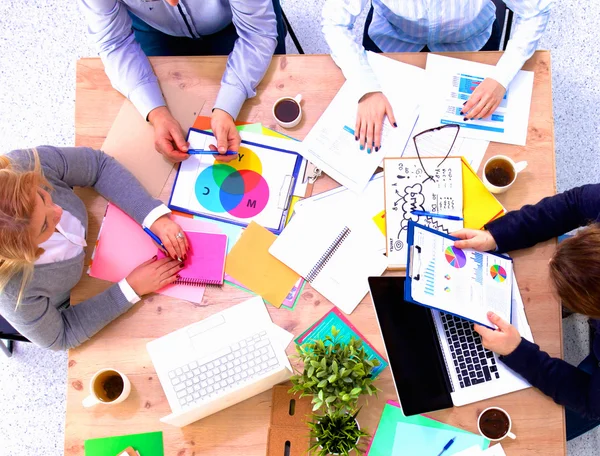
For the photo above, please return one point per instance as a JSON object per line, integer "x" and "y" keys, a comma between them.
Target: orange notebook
{"x": 205, "y": 263}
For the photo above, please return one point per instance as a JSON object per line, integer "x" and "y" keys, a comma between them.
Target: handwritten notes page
{"x": 426, "y": 184}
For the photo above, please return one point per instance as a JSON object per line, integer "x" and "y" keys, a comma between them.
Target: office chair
{"x": 290, "y": 30}
{"x": 10, "y": 335}
{"x": 504, "y": 16}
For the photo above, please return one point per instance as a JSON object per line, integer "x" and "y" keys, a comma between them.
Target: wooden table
{"x": 242, "y": 429}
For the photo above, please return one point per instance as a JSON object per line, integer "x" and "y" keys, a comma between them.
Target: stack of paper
{"x": 399, "y": 435}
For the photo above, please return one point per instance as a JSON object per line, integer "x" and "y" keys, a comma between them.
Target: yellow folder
{"x": 479, "y": 205}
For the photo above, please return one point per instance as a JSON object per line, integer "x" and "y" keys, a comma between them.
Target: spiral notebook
{"x": 205, "y": 263}
{"x": 333, "y": 252}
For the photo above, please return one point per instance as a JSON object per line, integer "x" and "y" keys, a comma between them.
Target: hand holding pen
{"x": 170, "y": 237}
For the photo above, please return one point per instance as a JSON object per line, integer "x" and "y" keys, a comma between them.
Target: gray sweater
{"x": 39, "y": 316}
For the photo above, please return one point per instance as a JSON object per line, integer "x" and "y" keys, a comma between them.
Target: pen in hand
{"x": 209, "y": 152}
{"x": 156, "y": 239}
{"x": 447, "y": 446}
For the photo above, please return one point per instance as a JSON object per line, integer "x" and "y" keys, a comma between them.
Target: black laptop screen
{"x": 412, "y": 347}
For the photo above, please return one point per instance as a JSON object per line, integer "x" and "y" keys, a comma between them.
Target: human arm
{"x": 85, "y": 167}
{"x": 531, "y": 19}
{"x": 564, "y": 383}
{"x": 551, "y": 217}
{"x": 338, "y": 20}
{"x": 42, "y": 323}
{"x": 130, "y": 72}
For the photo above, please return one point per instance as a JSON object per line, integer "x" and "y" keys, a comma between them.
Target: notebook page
{"x": 343, "y": 280}
{"x": 305, "y": 239}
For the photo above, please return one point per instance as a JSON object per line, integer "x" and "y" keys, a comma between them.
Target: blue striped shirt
{"x": 129, "y": 70}
{"x": 442, "y": 25}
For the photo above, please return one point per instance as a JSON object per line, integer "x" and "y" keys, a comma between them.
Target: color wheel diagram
{"x": 455, "y": 257}
{"x": 236, "y": 187}
{"x": 498, "y": 273}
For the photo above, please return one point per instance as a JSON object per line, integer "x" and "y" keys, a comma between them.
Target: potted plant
{"x": 336, "y": 433}
{"x": 335, "y": 373}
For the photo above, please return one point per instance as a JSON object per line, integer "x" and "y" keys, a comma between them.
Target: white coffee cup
{"x": 287, "y": 123}
{"x": 508, "y": 434}
{"x": 510, "y": 167}
{"x": 97, "y": 392}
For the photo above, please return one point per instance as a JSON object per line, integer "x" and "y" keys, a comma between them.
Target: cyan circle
{"x": 207, "y": 189}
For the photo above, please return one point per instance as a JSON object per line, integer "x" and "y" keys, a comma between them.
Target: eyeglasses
{"x": 436, "y": 142}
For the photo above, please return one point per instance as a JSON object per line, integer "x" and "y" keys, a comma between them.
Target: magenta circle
{"x": 255, "y": 200}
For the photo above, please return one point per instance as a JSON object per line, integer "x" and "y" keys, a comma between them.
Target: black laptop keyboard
{"x": 473, "y": 363}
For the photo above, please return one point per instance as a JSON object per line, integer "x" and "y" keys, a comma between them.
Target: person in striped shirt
{"x": 430, "y": 25}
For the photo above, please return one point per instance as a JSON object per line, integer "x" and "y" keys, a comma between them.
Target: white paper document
{"x": 331, "y": 144}
{"x": 462, "y": 282}
{"x": 429, "y": 184}
{"x": 451, "y": 82}
{"x": 519, "y": 319}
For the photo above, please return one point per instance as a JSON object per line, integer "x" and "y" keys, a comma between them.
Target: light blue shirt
{"x": 129, "y": 70}
{"x": 442, "y": 25}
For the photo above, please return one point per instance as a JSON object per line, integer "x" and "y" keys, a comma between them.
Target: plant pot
{"x": 355, "y": 443}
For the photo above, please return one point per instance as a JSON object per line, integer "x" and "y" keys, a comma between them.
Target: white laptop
{"x": 436, "y": 359}
{"x": 220, "y": 361}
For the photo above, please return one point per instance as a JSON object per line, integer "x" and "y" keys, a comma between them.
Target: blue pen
{"x": 157, "y": 240}
{"x": 209, "y": 152}
{"x": 436, "y": 215}
{"x": 448, "y": 445}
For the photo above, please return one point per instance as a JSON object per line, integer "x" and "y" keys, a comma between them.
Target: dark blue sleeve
{"x": 564, "y": 383}
{"x": 547, "y": 219}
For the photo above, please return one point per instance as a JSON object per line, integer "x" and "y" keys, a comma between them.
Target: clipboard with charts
{"x": 461, "y": 282}
{"x": 256, "y": 186}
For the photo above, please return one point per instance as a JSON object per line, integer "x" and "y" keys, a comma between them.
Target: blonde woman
{"x": 43, "y": 226}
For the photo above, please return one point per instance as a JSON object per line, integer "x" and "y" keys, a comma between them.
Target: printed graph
{"x": 430, "y": 278}
{"x": 498, "y": 273}
{"x": 477, "y": 259}
{"x": 455, "y": 257}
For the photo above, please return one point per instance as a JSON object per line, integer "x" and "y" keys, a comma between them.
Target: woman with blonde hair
{"x": 43, "y": 226}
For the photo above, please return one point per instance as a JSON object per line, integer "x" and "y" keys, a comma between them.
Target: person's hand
{"x": 153, "y": 274}
{"x": 474, "y": 239}
{"x": 484, "y": 100}
{"x": 168, "y": 136}
{"x": 168, "y": 232}
{"x": 503, "y": 340}
{"x": 372, "y": 108}
{"x": 228, "y": 138}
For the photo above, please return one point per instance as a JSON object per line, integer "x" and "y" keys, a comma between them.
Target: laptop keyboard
{"x": 234, "y": 365}
{"x": 473, "y": 363}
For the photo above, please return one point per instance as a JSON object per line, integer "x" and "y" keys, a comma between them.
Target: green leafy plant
{"x": 336, "y": 433}
{"x": 335, "y": 373}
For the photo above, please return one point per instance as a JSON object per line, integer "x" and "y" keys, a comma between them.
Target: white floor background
{"x": 39, "y": 44}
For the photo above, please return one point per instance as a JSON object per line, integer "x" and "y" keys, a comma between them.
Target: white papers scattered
{"x": 331, "y": 145}
{"x": 450, "y": 83}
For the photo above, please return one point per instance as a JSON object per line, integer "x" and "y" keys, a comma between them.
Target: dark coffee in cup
{"x": 500, "y": 172}
{"x": 287, "y": 110}
{"x": 108, "y": 386}
{"x": 494, "y": 424}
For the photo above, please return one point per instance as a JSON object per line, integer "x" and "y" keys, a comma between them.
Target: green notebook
{"x": 148, "y": 444}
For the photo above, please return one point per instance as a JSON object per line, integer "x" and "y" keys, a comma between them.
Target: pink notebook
{"x": 205, "y": 263}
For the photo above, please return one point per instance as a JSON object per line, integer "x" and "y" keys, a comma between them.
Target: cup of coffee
{"x": 495, "y": 424}
{"x": 287, "y": 111}
{"x": 500, "y": 172}
{"x": 108, "y": 386}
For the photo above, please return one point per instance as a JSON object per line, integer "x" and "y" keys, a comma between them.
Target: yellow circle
{"x": 246, "y": 159}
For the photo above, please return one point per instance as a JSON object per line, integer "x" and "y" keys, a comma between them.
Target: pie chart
{"x": 498, "y": 273}
{"x": 455, "y": 257}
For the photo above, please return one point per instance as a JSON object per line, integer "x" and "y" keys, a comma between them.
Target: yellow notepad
{"x": 250, "y": 263}
{"x": 479, "y": 205}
